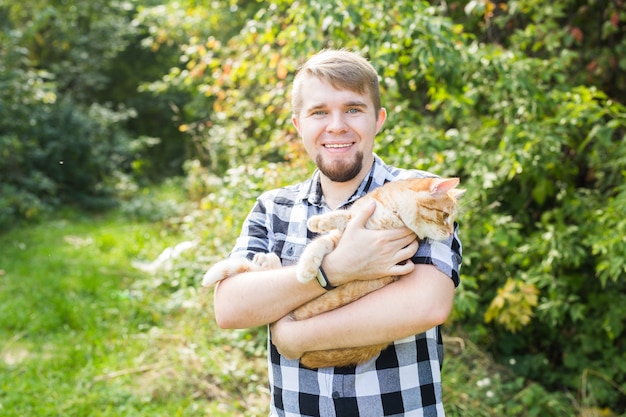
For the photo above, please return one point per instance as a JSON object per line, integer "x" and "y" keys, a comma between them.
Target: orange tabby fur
{"x": 427, "y": 206}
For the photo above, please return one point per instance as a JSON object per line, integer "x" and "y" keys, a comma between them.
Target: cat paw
{"x": 267, "y": 260}
{"x": 313, "y": 255}
{"x": 212, "y": 276}
{"x": 224, "y": 269}
{"x": 314, "y": 224}
{"x": 335, "y": 220}
{"x": 306, "y": 273}
{"x": 323, "y": 222}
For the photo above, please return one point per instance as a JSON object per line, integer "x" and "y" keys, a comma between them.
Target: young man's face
{"x": 338, "y": 128}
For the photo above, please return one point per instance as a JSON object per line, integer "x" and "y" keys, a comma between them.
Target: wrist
{"x": 328, "y": 267}
{"x": 286, "y": 338}
{"x": 322, "y": 278}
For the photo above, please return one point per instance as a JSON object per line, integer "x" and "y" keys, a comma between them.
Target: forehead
{"x": 316, "y": 92}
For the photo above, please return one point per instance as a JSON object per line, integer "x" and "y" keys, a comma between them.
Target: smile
{"x": 337, "y": 145}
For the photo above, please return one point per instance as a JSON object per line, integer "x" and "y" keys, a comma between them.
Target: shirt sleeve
{"x": 444, "y": 255}
{"x": 254, "y": 237}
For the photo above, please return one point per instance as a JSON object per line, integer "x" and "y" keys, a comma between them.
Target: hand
{"x": 280, "y": 332}
{"x": 365, "y": 254}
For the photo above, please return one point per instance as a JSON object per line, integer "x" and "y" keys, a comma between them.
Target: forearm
{"x": 412, "y": 305}
{"x": 257, "y": 298}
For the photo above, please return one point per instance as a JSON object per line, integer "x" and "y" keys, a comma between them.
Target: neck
{"x": 335, "y": 193}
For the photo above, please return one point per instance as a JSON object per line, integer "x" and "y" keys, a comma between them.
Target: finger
{"x": 408, "y": 251}
{"x": 401, "y": 240}
{"x": 399, "y": 270}
{"x": 407, "y": 240}
{"x": 401, "y": 233}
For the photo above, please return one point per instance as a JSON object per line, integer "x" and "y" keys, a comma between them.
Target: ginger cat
{"x": 427, "y": 206}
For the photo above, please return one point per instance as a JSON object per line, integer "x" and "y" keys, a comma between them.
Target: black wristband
{"x": 323, "y": 279}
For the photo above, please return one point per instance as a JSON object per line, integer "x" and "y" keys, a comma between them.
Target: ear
{"x": 456, "y": 193}
{"x": 295, "y": 122}
{"x": 382, "y": 116}
{"x": 443, "y": 185}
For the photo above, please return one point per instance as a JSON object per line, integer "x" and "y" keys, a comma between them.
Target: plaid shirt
{"x": 405, "y": 379}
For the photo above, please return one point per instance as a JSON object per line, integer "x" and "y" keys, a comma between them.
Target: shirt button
{"x": 335, "y": 395}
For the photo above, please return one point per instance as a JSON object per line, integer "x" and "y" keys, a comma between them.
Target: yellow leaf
{"x": 513, "y": 305}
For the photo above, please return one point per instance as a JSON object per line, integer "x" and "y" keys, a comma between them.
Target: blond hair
{"x": 343, "y": 70}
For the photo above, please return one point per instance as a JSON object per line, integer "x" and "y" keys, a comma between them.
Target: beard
{"x": 341, "y": 171}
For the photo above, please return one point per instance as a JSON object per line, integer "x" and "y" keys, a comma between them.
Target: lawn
{"x": 83, "y": 333}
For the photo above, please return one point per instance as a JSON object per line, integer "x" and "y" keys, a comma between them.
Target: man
{"x": 337, "y": 112}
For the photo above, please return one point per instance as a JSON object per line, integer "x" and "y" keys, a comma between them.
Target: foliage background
{"x": 521, "y": 99}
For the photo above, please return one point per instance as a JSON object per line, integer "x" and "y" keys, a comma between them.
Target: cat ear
{"x": 456, "y": 193}
{"x": 443, "y": 185}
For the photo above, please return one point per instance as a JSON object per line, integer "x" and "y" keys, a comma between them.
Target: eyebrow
{"x": 356, "y": 104}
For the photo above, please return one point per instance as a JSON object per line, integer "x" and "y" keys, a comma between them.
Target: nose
{"x": 337, "y": 123}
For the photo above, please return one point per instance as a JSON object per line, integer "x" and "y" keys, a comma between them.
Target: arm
{"x": 415, "y": 303}
{"x": 256, "y": 298}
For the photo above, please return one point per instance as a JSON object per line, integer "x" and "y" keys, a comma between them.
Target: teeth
{"x": 338, "y": 145}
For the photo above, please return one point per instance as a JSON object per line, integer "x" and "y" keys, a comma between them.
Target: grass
{"x": 84, "y": 333}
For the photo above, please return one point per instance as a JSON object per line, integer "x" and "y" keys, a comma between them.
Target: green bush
{"x": 63, "y": 153}
{"x": 68, "y": 133}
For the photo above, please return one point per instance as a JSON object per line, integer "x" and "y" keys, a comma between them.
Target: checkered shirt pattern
{"x": 405, "y": 379}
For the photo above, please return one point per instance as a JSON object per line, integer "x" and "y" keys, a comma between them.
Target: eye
{"x": 354, "y": 110}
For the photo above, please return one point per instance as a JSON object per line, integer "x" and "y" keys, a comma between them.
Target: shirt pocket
{"x": 290, "y": 253}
